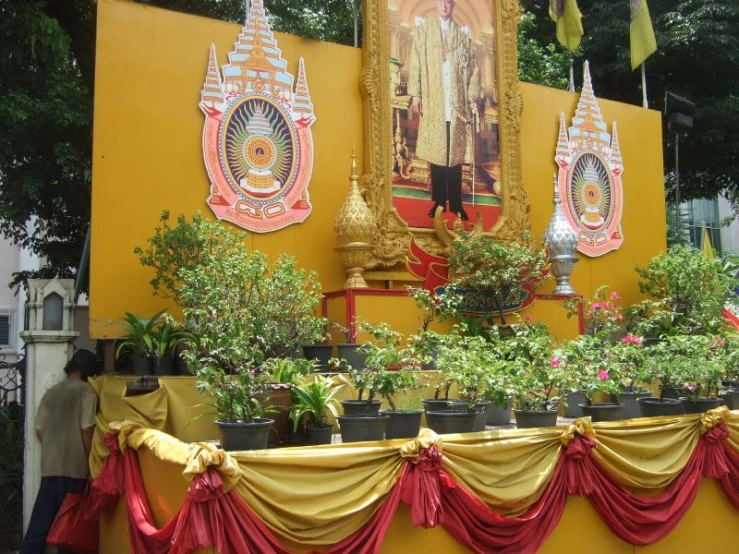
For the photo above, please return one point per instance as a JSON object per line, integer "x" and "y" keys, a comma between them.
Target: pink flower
{"x": 619, "y": 317}
{"x": 603, "y": 375}
{"x": 597, "y": 306}
{"x": 689, "y": 387}
{"x": 554, "y": 362}
{"x": 615, "y": 297}
{"x": 717, "y": 342}
{"x": 632, "y": 339}
{"x": 528, "y": 319}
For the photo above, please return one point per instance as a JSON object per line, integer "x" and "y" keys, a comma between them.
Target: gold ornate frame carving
{"x": 393, "y": 233}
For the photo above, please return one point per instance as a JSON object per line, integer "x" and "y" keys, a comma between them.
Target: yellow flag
{"x": 707, "y": 247}
{"x": 568, "y": 18}
{"x": 643, "y": 43}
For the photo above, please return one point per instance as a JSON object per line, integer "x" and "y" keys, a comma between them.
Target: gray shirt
{"x": 66, "y": 409}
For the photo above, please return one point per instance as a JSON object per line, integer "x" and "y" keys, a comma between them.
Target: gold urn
{"x": 354, "y": 228}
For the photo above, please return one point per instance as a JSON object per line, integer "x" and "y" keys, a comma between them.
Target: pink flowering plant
{"x": 536, "y": 374}
{"x": 628, "y": 357}
{"x": 591, "y": 364}
{"x": 603, "y": 315}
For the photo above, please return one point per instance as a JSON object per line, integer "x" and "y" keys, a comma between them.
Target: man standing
{"x": 444, "y": 81}
{"x": 64, "y": 425}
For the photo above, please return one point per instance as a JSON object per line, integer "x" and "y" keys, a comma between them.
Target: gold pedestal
{"x": 355, "y": 256}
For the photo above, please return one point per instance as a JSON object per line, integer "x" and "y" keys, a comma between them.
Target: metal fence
{"x": 11, "y": 454}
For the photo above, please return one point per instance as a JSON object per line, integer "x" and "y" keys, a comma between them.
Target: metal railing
{"x": 11, "y": 453}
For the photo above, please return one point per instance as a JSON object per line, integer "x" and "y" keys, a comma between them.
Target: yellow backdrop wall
{"x": 151, "y": 64}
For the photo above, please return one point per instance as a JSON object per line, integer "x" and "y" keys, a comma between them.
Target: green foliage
{"x": 472, "y": 364}
{"x": 390, "y": 368}
{"x": 494, "y": 274}
{"x": 535, "y": 374}
{"x": 288, "y": 370}
{"x": 542, "y": 64}
{"x": 330, "y": 20}
{"x": 230, "y": 373}
{"x": 186, "y": 246}
{"x": 315, "y": 399}
{"x": 205, "y": 268}
{"x": 167, "y": 336}
{"x": 46, "y": 139}
{"x": 141, "y": 335}
{"x": 689, "y": 292}
{"x": 602, "y": 315}
{"x": 696, "y": 363}
{"x": 586, "y": 362}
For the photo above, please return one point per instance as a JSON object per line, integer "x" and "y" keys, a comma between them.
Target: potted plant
{"x": 535, "y": 375}
{"x": 731, "y": 365}
{"x": 166, "y": 337}
{"x": 602, "y": 317}
{"x": 312, "y": 404}
{"x": 628, "y": 357}
{"x": 284, "y": 374}
{"x": 205, "y": 267}
{"x": 362, "y": 420}
{"x": 687, "y": 290}
{"x": 393, "y": 370}
{"x": 702, "y": 373}
{"x": 469, "y": 362}
{"x": 315, "y": 342}
{"x": 664, "y": 363}
{"x": 589, "y": 361}
{"x": 139, "y": 340}
{"x": 351, "y": 351}
{"x": 229, "y": 372}
{"x": 494, "y": 276}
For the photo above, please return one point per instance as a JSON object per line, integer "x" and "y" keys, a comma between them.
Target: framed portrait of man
{"x": 443, "y": 129}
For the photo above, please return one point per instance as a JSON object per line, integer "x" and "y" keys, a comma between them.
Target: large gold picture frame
{"x": 393, "y": 235}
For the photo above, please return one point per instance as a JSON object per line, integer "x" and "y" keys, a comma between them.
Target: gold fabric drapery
{"x": 319, "y": 495}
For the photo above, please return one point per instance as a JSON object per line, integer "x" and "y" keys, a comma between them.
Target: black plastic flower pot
{"x": 443, "y": 404}
{"x": 574, "y": 399}
{"x": 445, "y": 422}
{"x": 361, "y": 407}
{"x": 320, "y": 435}
{"x": 528, "y": 419}
{"x": 353, "y": 355}
{"x": 603, "y": 412}
{"x": 630, "y": 401}
{"x": 731, "y": 399}
{"x": 164, "y": 365}
{"x": 239, "y": 435}
{"x": 700, "y": 405}
{"x": 654, "y": 407}
{"x": 402, "y": 424}
{"x": 481, "y": 415}
{"x": 320, "y": 353}
{"x": 499, "y": 415}
{"x": 362, "y": 428}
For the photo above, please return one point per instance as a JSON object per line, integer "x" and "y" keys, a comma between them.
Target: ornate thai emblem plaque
{"x": 257, "y": 142}
{"x": 589, "y": 180}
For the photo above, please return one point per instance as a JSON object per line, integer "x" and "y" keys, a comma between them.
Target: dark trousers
{"x": 49, "y": 500}
{"x": 446, "y": 182}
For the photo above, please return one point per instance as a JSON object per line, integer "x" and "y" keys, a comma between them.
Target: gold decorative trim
{"x": 393, "y": 233}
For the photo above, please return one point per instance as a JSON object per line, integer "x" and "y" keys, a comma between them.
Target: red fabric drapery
{"x": 211, "y": 518}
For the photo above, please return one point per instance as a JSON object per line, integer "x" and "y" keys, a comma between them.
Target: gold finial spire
{"x": 354, "y": 228}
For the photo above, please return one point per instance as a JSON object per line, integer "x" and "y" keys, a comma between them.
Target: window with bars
{"x": 6, "y": 326}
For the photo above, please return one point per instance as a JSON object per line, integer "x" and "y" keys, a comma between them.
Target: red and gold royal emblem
{"x": 257, "y": 142}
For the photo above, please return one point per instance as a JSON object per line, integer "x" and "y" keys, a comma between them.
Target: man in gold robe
{"x": 444, "y": 81}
